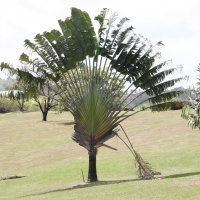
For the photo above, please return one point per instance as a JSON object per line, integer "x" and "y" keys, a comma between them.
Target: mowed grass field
{"x": 45, "y": 152}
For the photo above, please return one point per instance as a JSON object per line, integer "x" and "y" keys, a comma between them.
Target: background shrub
{"x": 31, "y": 106}
{"x": 177, "y": 105}
{"x": 7, "y": 106}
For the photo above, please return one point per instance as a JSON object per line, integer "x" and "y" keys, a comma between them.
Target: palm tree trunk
{"x": 92, "y": 172}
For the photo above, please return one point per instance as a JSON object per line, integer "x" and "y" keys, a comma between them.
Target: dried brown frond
{"x": 144, "y": 171}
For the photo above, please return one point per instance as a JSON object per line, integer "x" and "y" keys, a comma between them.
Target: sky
{"x": 174, "y": 22}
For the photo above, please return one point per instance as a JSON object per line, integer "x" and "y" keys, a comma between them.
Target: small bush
{"x": 59, "y": 108}
{"x": 31, "y": 106}
{"x": 141, "y": 107}
{"x": 176, "y": 105}
{"x": 6, "y": 105}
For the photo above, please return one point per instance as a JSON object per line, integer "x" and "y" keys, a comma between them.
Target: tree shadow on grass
{"x": 84, "y": 185}
{"x": 182, "y": 175}
{"x": 70, "y": 122}
{"x": 100, "y": 183}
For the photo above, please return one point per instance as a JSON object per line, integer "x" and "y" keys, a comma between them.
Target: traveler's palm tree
{"x": 86, "y": 66}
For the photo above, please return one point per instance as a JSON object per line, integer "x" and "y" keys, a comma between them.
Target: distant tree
{"x": 42, "y": 94}
{"x": 46, "y": 98}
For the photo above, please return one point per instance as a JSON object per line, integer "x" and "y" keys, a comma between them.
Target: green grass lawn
{"x": 45, "y": 152}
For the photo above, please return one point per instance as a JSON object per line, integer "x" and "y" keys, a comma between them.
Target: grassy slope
{"x": 45, "y": 152}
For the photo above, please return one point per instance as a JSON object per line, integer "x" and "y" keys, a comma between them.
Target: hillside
{"x": 4, "y": 83}
{"x": 144, "y": 96}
